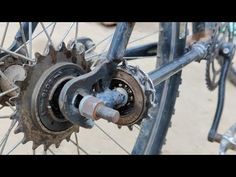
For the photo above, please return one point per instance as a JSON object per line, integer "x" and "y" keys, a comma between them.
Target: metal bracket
{"x": 227, "y": 52}
{"x": 228, "y": 140}
{"x": 75, "y": 89}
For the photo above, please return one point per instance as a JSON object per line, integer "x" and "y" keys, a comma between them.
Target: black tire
{"x": 153, "y": 131}
{"x": 232, "y": 69}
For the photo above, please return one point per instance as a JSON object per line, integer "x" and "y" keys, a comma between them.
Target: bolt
{"x": 92, "y": 107}
{"x": 226, "y": 50}
{"x": 107, "y": 113}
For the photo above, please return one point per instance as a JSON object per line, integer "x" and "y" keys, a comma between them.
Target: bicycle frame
{"x": 119, "y": 43}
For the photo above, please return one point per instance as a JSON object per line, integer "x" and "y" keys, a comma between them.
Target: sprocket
{"x": 141, "y": 94}
{"x": 37, "y": 111}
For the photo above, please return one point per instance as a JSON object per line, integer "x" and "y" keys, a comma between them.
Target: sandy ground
{"x": 190, "y": 125}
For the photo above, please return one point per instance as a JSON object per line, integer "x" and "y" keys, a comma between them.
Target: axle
{"x": 104, "y": 104}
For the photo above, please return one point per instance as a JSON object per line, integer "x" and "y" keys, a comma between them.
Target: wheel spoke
{"x": 77, "y": 144}
{"x": 143, "y": 37}
{"x": 8, "y": 91}
{"x": 4, "y": 34}
{"x": 67, "y": 32}
{"x": 24, "y": 39}
{"x": 137, "y": 127}
{"x": 16, "y": 54}
{"x": 53, "y": 27}
{"x": 6, "y": 136}
{"x": 48, "y": 36}
{"x": 79, "y": 147}
{"x": 26, "y": 43}
{"x": 99, "y": 43}
{"x": 12, "y": 108}
{"x": 5, "y": 117}
{"x": 104, "y": 52}
{"x": 51, "y": 151}
{"x": 76, "y": 32}
{"x": 15, "y": 147}
{"x": 30, "y": 39}
{"x": 111, "y": 138}
{"x": 33, "y": 37}
{"x": 2, "y": 107}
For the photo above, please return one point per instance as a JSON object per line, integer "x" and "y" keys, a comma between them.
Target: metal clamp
{"x": 228, "y": 140}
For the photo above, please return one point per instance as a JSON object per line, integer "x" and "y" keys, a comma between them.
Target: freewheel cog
{"x": 38, "y": 113}
{"x": 140, "y": 91}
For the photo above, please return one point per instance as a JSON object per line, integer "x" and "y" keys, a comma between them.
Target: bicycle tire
{"x": 153, "y": 132}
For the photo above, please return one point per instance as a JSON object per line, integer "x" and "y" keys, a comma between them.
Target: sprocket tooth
{"x": 38, "y": 55}
{"x": 46, "y": 146}
{"x": 35, "y": 146}
{"x": 62, "y": 47}
{"x": 139, "y": 122}
{"x": 18, "y": 82}
{"x": 25, "y": 140}
{"x": 124, "y": 64}
{"x": 40, "y": 59}
{"x": 57, "y": 144}
{"x": 18, "y": 129}
{"x": 68, "y": 138}
{"x": 28, "y": 67}
{"x": 130, "y": 127}
{"x": 53, "y": 54}
{"x": 135, "y": 70}
{"x": 15, "y": 115}
{"x": 51, "y": 48}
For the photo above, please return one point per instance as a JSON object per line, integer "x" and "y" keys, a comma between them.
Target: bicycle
{"x": 65, "y": 89}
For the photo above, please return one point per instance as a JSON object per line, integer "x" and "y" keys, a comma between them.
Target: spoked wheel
{"x": 42, "y": 60}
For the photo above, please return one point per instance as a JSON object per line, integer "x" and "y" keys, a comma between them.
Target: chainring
{"x": 37, "y": 111}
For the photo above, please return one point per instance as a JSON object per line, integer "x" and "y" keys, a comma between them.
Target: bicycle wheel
{"x": 152, "y": 135}
{"x": 30, "y": 133}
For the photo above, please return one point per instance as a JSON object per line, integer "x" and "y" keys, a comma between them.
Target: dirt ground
{"x": 194, "y": 109}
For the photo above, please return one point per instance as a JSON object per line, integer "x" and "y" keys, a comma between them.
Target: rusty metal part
{"x": 113, "y": 98}
{"x": 141, "y": 94}
{"x": 12, "y": 74}
{"x": 107, "y": 113}
{"x": 38, "y": 113}
{"x": 7, "y": 62}
{"x": 94, "y": 108}
{"x": 77, "y": 88}
{"x": 79, "y": 47}
{"x": 136, "y": 83}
